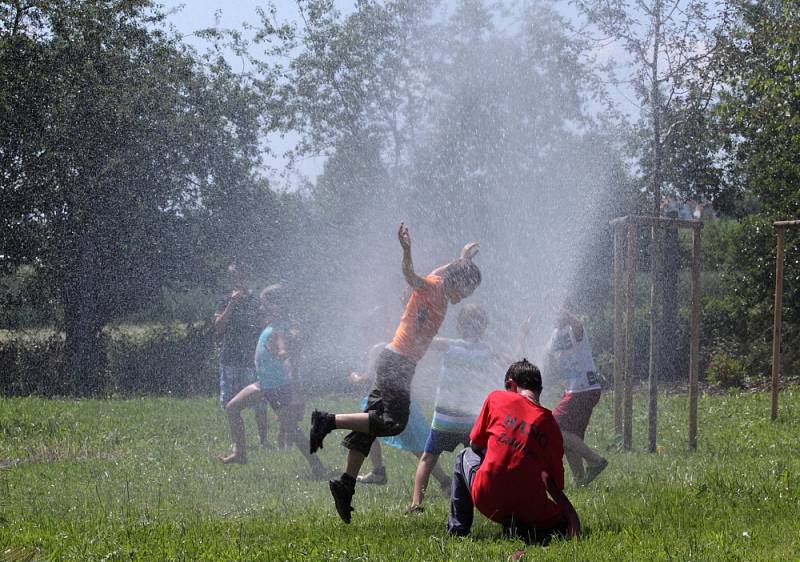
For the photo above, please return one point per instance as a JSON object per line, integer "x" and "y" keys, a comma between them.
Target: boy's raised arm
{"x": 408, "y": 266}
{"x": 469, "y": 251}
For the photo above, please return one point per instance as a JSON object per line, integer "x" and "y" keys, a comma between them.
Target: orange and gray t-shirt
{"x": 421, "y": 320}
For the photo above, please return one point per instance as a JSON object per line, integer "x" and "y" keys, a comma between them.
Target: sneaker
{"x": 415, "y": 509}
{"x": 373, "y": 477}
{"x": 593, "y": 471}
{"x": 322, "y": 423}
{"x": 320, "y": 473}
{"x": 342, "y": 496}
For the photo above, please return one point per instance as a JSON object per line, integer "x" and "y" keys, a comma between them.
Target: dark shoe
{"x": 593, "y": 471}
{"x": 322, "y": 423}
{"x": 342, "y": 496}
{"x": 373, "y": 477}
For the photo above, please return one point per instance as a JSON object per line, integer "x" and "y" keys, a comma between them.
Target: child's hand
{"x": 357, "y": 377}
{"x": 404, "y": 236}
{"x": 469, "y": 251}
{"x": 236, "y": 295}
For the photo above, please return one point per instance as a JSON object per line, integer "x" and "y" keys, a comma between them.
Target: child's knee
{"x": 429, "y": 458}
{"x": 386, "y": 427}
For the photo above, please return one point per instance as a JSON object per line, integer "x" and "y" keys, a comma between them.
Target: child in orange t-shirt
{"x": 388, "y": 404}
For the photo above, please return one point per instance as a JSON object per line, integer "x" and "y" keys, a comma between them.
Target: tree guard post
{"x": 776, "y": 322}
{"x": 630, "y": 310}
{"x": 694, "y": 342}
{"x": 780, "y": 228}
{"x": 619, "y": 241}
{"x": 627, "y": 227}
{"x": 653, "y": 367}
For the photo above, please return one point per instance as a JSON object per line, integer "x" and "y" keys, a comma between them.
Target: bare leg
{"x": 294, "y": 435}
{"x": 427, "y": 463}
{"x": 354, "y": 461}
{"x": 441, "y": 477}
{"x": 247, "y": 398}
{"x": 576, "y": 464}
{"x": 354, "y": 422}
{"x": 376, "y": 456}
{"x": 574, "y": 443}
{"x": 261, "y": 423}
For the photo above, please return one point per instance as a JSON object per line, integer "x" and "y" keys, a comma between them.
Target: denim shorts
{"x": 440, "y": 441}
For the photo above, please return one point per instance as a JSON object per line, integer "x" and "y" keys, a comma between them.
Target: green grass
{"x": 138, "y": 480}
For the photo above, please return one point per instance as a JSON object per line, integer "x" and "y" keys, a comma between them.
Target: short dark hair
{"x": 462, "y": 273}
{"x": 525, "y": 374}
{"x": 472, "y": 321}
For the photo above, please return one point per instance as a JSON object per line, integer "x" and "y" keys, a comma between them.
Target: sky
{"x": 190, "y": 15}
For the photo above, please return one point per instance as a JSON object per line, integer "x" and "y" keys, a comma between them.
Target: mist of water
{"x": 507, "y": 156}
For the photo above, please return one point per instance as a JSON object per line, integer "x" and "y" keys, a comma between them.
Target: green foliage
{"x": 127, "y": 160}
{"x": 138, "y": 480}
{"x": 761, "y": 106}
{"x": 174, "y": 360}
{"x": 726, "y": 371}
{"x": 34, "y": 365}
{"x": 156, "y": 359}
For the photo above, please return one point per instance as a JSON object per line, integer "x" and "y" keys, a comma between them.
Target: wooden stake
{"x": 627, "y": 432}
{"x": 776, "y": 324}
{"x": 656, "y": 296}
{"x": 694, "y": 342}
{"x": 619, "y": 341}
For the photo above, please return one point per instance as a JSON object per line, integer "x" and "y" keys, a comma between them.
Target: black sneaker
{"x": 342, "y": 496}
{"x": 322, "y": 423}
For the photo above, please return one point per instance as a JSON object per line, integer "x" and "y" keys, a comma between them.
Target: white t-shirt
{"x": 572, "y": 361}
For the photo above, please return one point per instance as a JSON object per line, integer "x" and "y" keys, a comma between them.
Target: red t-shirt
{"x": 421, "y": 320}
{"x": 521, "y": 440}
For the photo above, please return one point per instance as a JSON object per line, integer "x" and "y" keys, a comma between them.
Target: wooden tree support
{"x": 780, "y": 228}
{"x": 624, "y": 347}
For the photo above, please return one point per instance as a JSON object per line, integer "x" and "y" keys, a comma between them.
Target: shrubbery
{"x": 177, "y": 359}
{"x": 726, "y": 371}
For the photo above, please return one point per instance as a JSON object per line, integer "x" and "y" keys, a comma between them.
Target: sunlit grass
{"x": 138, "y": 480}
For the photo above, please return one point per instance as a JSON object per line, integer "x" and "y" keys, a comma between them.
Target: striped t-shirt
{"x": 466, "y": 378}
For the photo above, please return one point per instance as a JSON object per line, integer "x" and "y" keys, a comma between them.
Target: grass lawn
{"x": 138, "y": 480}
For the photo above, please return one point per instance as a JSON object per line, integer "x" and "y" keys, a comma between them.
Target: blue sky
{"x": 190, "y": 15}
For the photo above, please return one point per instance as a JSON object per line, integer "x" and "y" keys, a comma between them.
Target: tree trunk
{"x": 656, "y": 248}
{"x": 671, "y": 361}
{"x": 83, "y": 324}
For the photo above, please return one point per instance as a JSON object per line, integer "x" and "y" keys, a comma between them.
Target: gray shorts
{"x": 389, "y": 402}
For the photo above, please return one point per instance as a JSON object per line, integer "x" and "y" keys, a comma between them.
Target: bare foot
{"x": 233, "y": 458}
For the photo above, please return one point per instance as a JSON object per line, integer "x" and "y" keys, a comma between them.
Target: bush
{"x": 162, "y": 360}
{"x": 175, "y": 359}
{"x": 726, "y": 371}
{"x": 34, "y": 364}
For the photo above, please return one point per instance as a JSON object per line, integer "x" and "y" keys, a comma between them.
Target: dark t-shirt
{"x": 521, "y": 440}
{"x": 240, "y": 337}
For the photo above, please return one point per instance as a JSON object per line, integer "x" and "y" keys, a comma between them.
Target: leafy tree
{"x": 760, "y": 109}
{"x": 126, "y": 160}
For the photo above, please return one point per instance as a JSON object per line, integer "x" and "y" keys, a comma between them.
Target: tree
{"x": 670, "y": 45}
{"x": 124, "y": 159}
{"x": 760, "y": 112}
